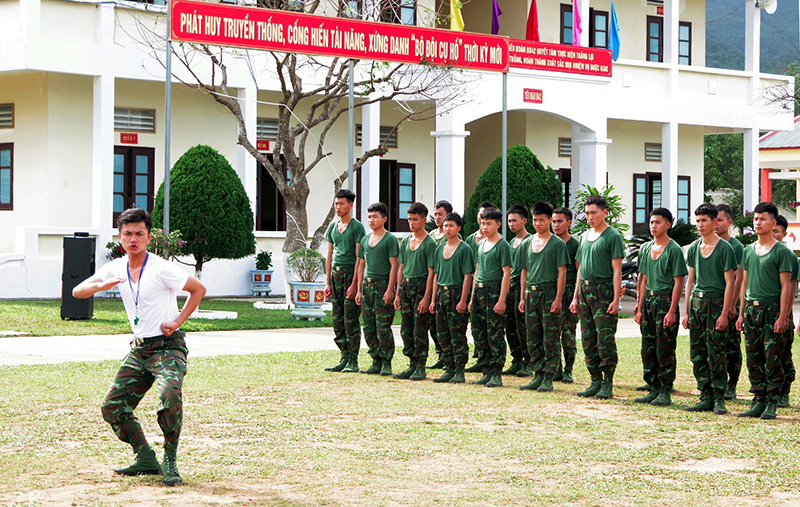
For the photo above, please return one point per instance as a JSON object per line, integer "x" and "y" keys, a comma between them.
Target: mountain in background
{"x": 725, "y": 30}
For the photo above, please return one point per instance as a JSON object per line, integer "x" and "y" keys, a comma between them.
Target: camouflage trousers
{"x": 733, "y": 351}
{"x": 569, "y": 323}
{"x": 765, "y": 349}
{"x": 414, "y": 326}
{"x": 452, "y": 327}
{"x": 788, "y": 360}
{"x": 516, "y": 335}
{"x": 377, "y": 317}
{"x": 658, "y": 341}
{"x": 598, "y": 328}
{"x": 487, "y": 329}
{"x": 435, "y": 338}
{"x": 543, "y": 328}
{"x": 161, "y": 360}
{"x": 345, "y": 312}
{"x": 707, "y": 346}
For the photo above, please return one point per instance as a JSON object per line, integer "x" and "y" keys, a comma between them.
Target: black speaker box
{"x": 79, "y": 254}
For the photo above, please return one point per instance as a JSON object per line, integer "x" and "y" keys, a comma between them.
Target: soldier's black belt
{"x": 764, "y": 302}
{"x": 490, "y": 283}
{"x": 449, "y": 287}
{"x": 597, "y": 282}
{"x": 416, "y": 279}
{"x": 540, "y": 286}
{"x": 663, "y": 292}
{"x": 376, "y": 279}
{"x": 349, "y": 269}
{"x": 706, "y": 295}
{"x": 175, "y": 334}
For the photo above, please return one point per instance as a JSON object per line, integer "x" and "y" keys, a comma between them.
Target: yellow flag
{"x": 456, "y": 21}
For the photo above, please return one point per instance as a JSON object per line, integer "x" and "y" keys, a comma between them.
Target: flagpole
{"x": 505, "y": 149}
{"x": 351, "y": 128}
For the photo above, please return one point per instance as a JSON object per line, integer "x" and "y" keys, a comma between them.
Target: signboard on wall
{"x": 560, "y": 58}
{"x": 125, "y": 138}
{"x": 531, "y": 95}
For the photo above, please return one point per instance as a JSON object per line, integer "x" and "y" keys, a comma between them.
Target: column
{"x": 103, "y": 152}
{"x": 766, "y": 185}
{"x": 589, "y": 158}
{"x": 30, "y": 15}
{"x": 371, "y": 170}
{"x": 751, "y": 173}
{"x": 752, "y": 47}
{"x": 669, "y": 166}
{"x": 450, "y": 142}
{"x": 585, "y": 22}
{"x": 246, "y": 165}
{"x": 671, "y": 28}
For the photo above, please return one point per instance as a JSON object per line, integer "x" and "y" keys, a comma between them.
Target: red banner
{"x": 532, "y": 95}
{"x": 291, "y": 32}
{"x": 559, "y": 58}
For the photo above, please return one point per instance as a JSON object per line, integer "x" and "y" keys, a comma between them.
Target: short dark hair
{"x": 492, "y": 214}
{"x": 448, "y": 208}
{"x": 380, "y": 208}
{"x": 519, "y": 209}
{"x": 486, "y": 205}
{"x": 564, "y": 211}
{"x": 706, "y": 209}
{"x": 417, "y": 208}
{"x": 542, "y": 208}
{"x": 767, "y": 207}
{"x": 724, "y": 208}
{"x": 597, "y": 200}
{"x": 781, "y": 220}
{"x": 454, "y": 217}
{"x": 345, "y": 194}
{"x": 662, "y": 212}
{"x": 135, "y": 216}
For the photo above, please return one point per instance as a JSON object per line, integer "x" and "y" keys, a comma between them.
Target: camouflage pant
{"x": 378, "y": 317}
{"x": 764, "y": 349}
{"x": 487, "y": 330}
{"x": 658, "y": 341}
{"x": 733, "y": 352}
{"x": 788, "y": 360}
{"x": 435, "y": 338}
{"x": 161, "y": 360}
{"x": 345, "y": 313}
{"x": 515, "y": 325}
{"x": 707, "y": 346}
{"x": 413, "y": 325}
{"x": 598, "y": 329}
{"x": 452, "y": 326}
{"x": 542, "y": 329}
{"x": 569, "y": 322}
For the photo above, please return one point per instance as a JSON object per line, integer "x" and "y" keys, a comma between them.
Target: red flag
{"x": 532, "y": 30}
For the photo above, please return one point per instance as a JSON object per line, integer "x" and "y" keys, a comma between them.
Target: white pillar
{"x": 589, "y": 158}
{"x": 370, "y": 190}
{"x": 669, "y": 166}
{"x": 30, "y": 12}
{"x": 752, "y": 46}
{"x": 450, "y": 142}
{"x": 752, "y": 172}
{"x": 585, "y": 22}
{"x": 246, "y": 165}
{"x": 103, "y": 152}
{"x": 671, "y": 29}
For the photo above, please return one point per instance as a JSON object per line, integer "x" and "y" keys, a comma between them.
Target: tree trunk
{"x": 198, "y": 267}
{"x": 296, "y": 200}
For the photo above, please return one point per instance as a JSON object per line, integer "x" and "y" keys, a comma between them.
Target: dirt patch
{"x": 716, "y": 465}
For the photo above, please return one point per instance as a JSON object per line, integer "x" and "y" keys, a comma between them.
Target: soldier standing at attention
{"x": 779, "y": 233}
{"x": 562, "y": 221}
{"x": 489, "y": 295}
{"x": 452, "y": 282}
{"x": 709, "y": 299}
{"x": 440, "y": 210}
{"x": 597, "y": 293}
{"x": 733, "y": 354}
{"x": 149, "y": 287}
{"x": 543, "y": 262}
{"x": 661, "y": 272}
{"x": 517, "y": 218}
{"x": 766, "y": 300}
{"x": 472, "y": 241}
{"x": 344, "y": 238}
{"x": 414, "y": 292}
{"x": 377, "y": 275}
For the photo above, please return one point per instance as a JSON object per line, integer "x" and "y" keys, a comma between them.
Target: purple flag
{"x": 496, "y": 13}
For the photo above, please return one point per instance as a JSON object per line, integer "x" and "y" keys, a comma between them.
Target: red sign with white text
{"x": 292, "y": 32}
{"x": 531, "y": 95}
{"x": 129, "y": 138}
{"x": 525, "y": 54}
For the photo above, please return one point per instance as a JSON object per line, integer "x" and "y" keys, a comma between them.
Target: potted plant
{"x": 115, "y": 251}
{"x": 305, "y": 268}
{"x": 261, "y": 277}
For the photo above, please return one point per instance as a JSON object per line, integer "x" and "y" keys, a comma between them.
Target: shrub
{"x": 167, "y": 245}
{"x": 614, "y": 204}
{"x": 264, "y": 260}
{"x": 306, "y": 265}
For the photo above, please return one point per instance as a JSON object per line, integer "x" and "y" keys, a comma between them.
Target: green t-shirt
{"x": 738, "y": 249}
{"x": 344, "y": 243}
{"x": 710, "y": 271}
{"x": 452, "y": 271}
{"x": 377, "y": 257}
{"x": 470, "y": 241}
{"x": 661, "y": 272}
{"x": 764, "y": 271}
{"x": 516, "y": 270}
{"x": 416, "y": 262}
{"x": 543, "y": 266}
{"x": 595, "y": 256}
{"x": 795, "y": 268}
{"x": 491, "y": 263}
{"x": 572, "y": 253}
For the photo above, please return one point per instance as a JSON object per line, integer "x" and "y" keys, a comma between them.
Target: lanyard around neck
{"x": 138, "y": 287}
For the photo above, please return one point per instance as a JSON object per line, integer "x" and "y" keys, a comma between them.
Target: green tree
{"x": 723, "y": 161}
{"x": 528, "y": 182}
{"x": 209, "y": 205}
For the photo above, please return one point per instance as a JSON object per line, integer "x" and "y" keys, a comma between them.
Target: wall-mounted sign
{"x": 660, "y": 10}
{"x": 129, "y": 138}
{"x": 531, "y": 95}
{"x": 262, "y": 145}
{"x": 559, "y": 58}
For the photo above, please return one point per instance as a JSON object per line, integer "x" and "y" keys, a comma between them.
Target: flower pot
{"x": 261, "y": 280}
{"x": 308, "y": 298}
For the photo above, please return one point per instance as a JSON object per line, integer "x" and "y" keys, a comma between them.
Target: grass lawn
{"x": 276, "y": 430}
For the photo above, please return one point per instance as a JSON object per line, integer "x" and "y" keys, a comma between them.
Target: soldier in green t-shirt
{"x": 597, "y": 294}
{"x": 517, "y": 218}
{"x": 472, "y": 241}
{"x": 733, "y": 355}
{"x": 453, "y": 268}
{"x": 779, "y": 233}
{"x": 709, "y": 299}
{"x": 440, "y": 210}
{"x": 414, "y": 292}
{"x": 489, "y": 294}
{"x": 562, "y": 222}
{"x": 344, "y": 237}
{"x": 662, "y": 269}
{"x": 377, "y": 275}
{"x": 543, "y": 263}
{"x": 766, "y": 300}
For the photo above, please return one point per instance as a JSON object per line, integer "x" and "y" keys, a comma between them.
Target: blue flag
{"x": 614, "y": 38}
